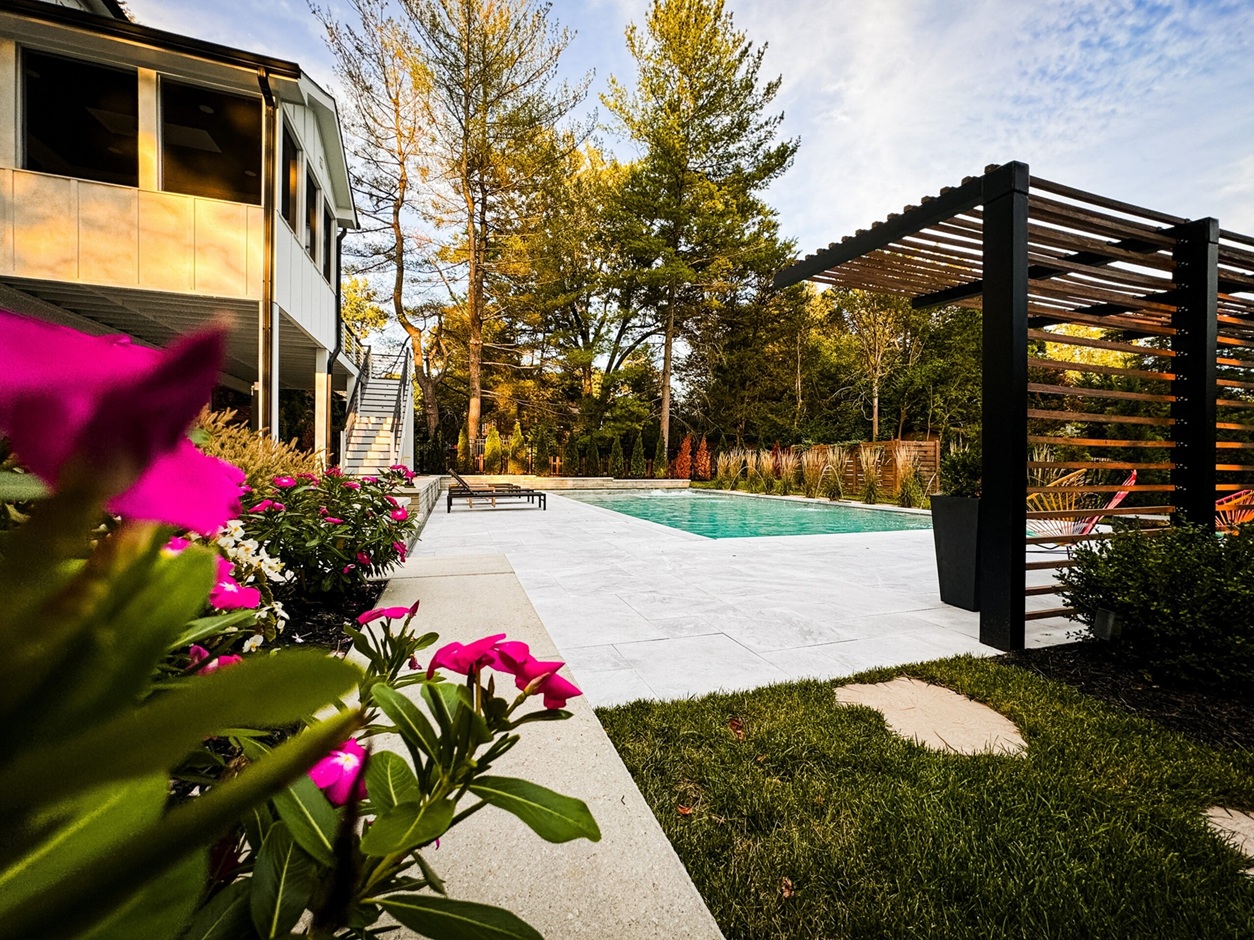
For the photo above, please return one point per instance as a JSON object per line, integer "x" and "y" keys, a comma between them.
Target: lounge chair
{"x": 1233, "y": 511}
{"x": 1068, "y": 500}
{"x": 460, "y": 489}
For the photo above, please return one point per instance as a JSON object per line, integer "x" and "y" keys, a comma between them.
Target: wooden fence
{"x": 926, "y": 453}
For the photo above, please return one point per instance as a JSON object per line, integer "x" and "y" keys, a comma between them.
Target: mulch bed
{"x": 319, "y": 619}
{"x": 1098, "y": 669}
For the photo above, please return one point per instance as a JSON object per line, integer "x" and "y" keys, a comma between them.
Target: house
{"x": 152, "y": 182}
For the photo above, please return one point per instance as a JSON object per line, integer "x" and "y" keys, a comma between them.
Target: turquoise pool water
{"x": 722, "y": 516}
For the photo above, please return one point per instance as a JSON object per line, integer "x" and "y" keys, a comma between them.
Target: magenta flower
{"x": 352, "y": 484}
{"x": 400, "y": 515}
{"x": 347, "y": 568}
{"x": 229, "y": 594}
{"x": 364, "y": 560}
{"x": 197, "y": 654}
{"x": 284, "y": 482}
{"x": 392, "y": 613}
{"x": 463, "y": 659}
{"x": 307, "y": 476}
{"x": 279, "y": 507}
{"x": 534, "y": 676}
{"x": 245, "y": 489}
{"x": 120, "y": 417}
{"x": 331, "y": 520}
{"x": 262, "y": 506}
{"x": 392, "y": 500}
{"x": 341, "y": 775}
{"x": 401, "y": 550}
{"x": 334, "y": 472}
{"x": 369, "y": 479}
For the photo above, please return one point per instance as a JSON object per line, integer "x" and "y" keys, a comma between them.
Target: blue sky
{"x": 1149, "y": 102}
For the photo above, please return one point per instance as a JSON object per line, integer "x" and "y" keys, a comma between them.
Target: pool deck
{"x": 640, "y": 610}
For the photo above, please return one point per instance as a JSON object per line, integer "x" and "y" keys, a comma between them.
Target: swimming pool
{"x": 726, "y": 516}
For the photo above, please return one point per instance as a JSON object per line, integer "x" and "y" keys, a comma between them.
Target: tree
{"x": 491, "y": 67}
{"x": 492, "y": 451}
{"x": 638, "y": 465}
{"x": 360, "y": 309}
{"x": 701, "y": 462}
{"x": 683, "y": 462}
{"x": 616, "y": 458}
{"x": 544, "y": 450}
{"x": 875, "y": 323}
{"x": 463, "y": 451}
{"x": 697, "y": 112}
{"x": 660, "y": 463}
{"x": 517, "y": 453}
{"x": 386, "y": 114}
{"x": 570, "y": 457}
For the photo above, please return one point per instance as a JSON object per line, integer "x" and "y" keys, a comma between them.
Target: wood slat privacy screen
{"x": 1118, "y": 365}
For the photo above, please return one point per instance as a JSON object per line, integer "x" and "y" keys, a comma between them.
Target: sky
{"x": 1147, "y": 101}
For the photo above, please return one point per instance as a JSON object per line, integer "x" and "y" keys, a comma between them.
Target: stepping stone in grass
{"x": 937, "y": 717}
{"x": 1235, "y": 827}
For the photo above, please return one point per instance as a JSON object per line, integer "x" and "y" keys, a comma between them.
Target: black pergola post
{"x": 1003, "y": 507}
{"x": 1196, "y": 257}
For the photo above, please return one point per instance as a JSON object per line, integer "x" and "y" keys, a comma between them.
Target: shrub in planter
{"x": 332, "y": 532}
{"x": 1185, "y": 597}
{"x": 960, "y": 473}
{"x": 955, "y": 528}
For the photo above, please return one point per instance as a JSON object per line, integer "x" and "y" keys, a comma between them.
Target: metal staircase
{"x": 379, "y": 430}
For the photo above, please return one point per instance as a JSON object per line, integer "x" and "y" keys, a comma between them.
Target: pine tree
{"x": 517, "y": 450}
{"x": 698, "y": 114}
{"x": 660, "y": 466}
{"x": 683, "y": 463}
{"x": 463, "y": 452}
{"x": 570, "y": 457}
{"x": 492, "y": 451}
{"x": 544, "y": 449}
{"x": 701, "y": 462}
{"x": 637, "y": 458}
{"x": 616, "y": 458}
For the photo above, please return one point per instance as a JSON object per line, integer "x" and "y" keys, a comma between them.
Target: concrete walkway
{"x": 641, "y": 610}
{"x": 628, "y": 886}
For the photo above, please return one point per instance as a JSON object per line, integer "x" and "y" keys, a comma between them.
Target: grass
{"x": 798, "y": 817}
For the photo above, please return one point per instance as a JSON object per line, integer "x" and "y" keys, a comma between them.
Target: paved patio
{"x": 640, "y": 610}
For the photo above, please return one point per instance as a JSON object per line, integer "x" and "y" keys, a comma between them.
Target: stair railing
{"x": 354, "y": 402}
{"x": 398, "y": 409}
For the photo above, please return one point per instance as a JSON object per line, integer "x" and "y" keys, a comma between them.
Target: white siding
{"x": 57, "y": 228}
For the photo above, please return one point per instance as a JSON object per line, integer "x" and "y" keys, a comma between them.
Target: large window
{"x": 210, "y": 143}
{"x": 291, "y": 181}
{"x": 328, "y": 243}
{"x": 313, "y": 209}
{"x": 80, "y": 119}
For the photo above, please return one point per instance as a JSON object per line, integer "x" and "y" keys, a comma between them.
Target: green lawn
{"x": 819, "y": 822}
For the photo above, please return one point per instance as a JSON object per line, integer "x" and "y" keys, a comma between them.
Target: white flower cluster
{"x": 247, "y": 554}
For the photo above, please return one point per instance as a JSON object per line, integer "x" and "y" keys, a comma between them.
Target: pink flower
{"x": 307, "y": 476}
{"x": 334, "y": 472}
{"x": 369, "y": 479}
{"x": 284, "y": 482}
{"x": 119, "y": 412}
{"x": 364, "y": 560}
{"x": 392, "y": 500}
{"x": 534, "y": 676}
{"x": 341, "y": 775}
{"x": 347, "y": 568}
{"x": 279, "y": 507}
{"x": 175, "y": 546}
{"x": 229, "y": 594}
{"x": 262, "y": 506}
{"x": 401, "y": 550}
{"x": 352, "y": 484}
{"x": 331, "y": 520}
{"x": 400, "y": 515}
{"x": 464, "y": 659}
{"x": 197, "y": 654}
{"x": 245, "y": 489}
{"x": 322, "y": 511}
{"x": 392, "y": 613}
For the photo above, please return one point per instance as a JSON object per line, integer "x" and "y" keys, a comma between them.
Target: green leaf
{"x": 553, "y": 817}
{"x": 82, "y": 897}
{"x": 159, "y": 909}
{"x": 408, "y": 826}
{"x": 283, "y": 881}
{"x": 433, "y": 880}
{"x": 310, "y": 818}
{"x": 434, "y": 916}
{"x": 225, "y": 917}
{"x": 390, "y": 781}
{"x": 411, "y": 723}
{"x": 20, "y": 487}
{"x": 202, "y": 627}
{"x": 88, "y": 827}
{"x": 265, "y": 691}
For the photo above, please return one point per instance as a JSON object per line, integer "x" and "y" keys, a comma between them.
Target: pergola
{"x": 1054, "y": 268}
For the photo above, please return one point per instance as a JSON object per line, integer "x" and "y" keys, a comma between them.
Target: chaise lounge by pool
{"x": 729, "y": 516}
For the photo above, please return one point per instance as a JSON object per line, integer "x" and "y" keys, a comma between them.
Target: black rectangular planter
{"x": 955, "y": 530}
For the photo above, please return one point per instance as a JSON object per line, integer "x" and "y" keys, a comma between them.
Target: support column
{"x": 9, "y": 107}
{"x": 149, "y": 132}
{"x": 322, "y": 404}
{"x": 1196, "y": 256}
{"x": 1003, "y": 505}
{"x": 272, "y": 419}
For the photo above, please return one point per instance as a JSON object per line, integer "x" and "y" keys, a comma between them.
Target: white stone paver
{"x": 936, "y": 717}
{"x": 1236, "y": 827}
{"x": 641, "y": 610}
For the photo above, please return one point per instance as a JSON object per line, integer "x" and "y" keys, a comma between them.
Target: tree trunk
{"x": 474, "y": 299}
{"x": 875, "y": 410}
{"x": 666, "y": 368}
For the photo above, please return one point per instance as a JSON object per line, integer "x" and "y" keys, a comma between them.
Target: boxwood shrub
{"x": 1185, "y": 596}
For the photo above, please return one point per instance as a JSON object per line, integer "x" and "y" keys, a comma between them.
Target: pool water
{"x": 724, "y": 516}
